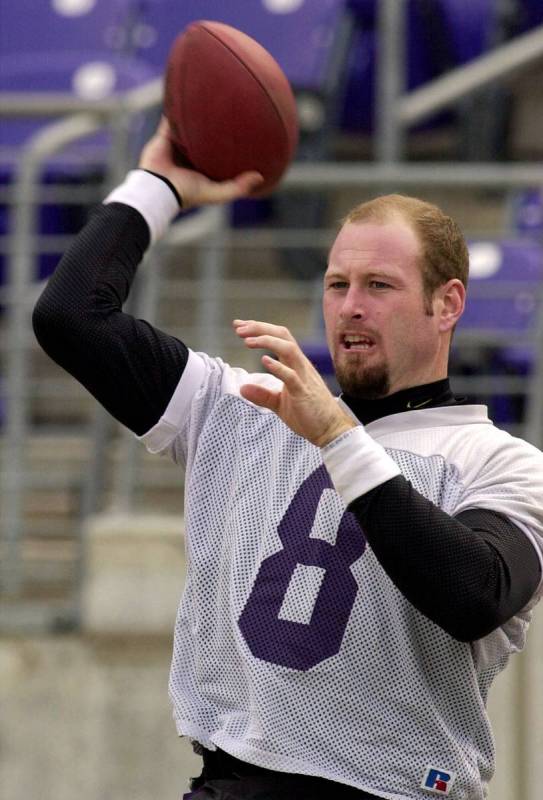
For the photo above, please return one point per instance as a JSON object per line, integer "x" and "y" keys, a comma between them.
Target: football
{"x": 229, "y": 105}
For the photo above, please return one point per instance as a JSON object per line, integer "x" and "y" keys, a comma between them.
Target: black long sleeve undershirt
{"x": 468, "y": 574}
{"x": 128, "y": 365}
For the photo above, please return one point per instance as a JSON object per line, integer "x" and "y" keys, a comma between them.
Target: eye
{"x": 338, "y": 285}
{"x": 380, "y": 285}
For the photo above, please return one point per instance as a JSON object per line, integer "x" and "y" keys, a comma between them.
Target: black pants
{"x": 227, "y": 778}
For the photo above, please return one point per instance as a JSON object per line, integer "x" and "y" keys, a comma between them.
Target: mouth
{"x": 356, "y": 343}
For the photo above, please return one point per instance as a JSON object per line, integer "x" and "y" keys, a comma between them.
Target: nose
{"x": 354, "y": 306}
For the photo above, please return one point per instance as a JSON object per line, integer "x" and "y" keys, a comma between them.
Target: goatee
{"x": 369, "y": 383}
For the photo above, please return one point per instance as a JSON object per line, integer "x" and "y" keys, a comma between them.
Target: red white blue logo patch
{"x": 438, "y": 781}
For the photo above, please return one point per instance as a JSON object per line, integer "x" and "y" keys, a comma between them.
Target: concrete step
{"x": 49, "y": 555}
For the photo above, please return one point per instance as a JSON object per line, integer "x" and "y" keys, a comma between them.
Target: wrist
{"x": 168, "y": 183}
{"x": 335, "y": 432}
{"x": 357, "y": 463}
{"x": 148, "y": 194}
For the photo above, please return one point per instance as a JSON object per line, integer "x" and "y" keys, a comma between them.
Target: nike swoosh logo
{"x": 419, "y": 405}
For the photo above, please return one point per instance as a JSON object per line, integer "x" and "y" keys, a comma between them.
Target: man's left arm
{"x": 469, "y": 574}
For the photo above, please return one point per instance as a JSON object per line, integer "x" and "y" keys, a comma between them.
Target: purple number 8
{"x": 295, "y": 644}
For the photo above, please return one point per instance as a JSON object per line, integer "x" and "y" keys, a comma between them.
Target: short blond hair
{"x": 444, "y": 252}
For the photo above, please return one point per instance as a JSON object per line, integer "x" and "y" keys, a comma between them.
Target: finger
{"x": 241, "y": 326}
{"x": 260, "y": 396}
{"x": 245, "y": 328}
{"x": 248, "y": 181}
{"x": 164, "y": 128}
{"x": 287, "y": 351}
{"x": 226, "y": 191}
{"x": 287, "y": 375}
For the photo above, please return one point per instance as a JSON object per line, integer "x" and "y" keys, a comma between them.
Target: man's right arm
{"x": 129, "y": 366}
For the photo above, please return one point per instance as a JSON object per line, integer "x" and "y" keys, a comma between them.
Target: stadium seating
{"x": 530, "y": 14}
{"x": 63, "y": 25}
{"x": 299, "y": 38}
{"x": 76, "y": 47}
{"x": 89, "y": 74}
{"x": 498, "y": 333}
{"x": 442, "y": 34}
{"x": 504, "y": 277}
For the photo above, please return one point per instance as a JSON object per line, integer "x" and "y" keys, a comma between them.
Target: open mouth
{"x": 356, "y": 343}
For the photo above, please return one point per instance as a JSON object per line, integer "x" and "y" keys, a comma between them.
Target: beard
{"x": 364, "y": 383}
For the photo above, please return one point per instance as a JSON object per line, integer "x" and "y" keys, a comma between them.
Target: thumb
{"x": 260, "y": 396}
{"x": 248, "y": 181}
{"x": 225, "y": 191}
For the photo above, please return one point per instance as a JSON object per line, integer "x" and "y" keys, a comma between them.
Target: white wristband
{"x": 357, "y": 463}
{"x": 149, "y": 195}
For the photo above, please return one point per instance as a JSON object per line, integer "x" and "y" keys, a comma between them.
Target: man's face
{"x": 381, "y": 337}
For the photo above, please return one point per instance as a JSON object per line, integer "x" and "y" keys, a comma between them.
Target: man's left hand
{"x": 304, "y": 403}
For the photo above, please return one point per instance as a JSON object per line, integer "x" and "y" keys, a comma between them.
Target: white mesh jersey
{"x": 293, "y": 649}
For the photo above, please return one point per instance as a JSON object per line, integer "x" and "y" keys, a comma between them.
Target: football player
{"x": 359, "y": 569}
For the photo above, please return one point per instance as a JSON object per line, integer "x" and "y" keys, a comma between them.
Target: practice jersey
{"x": 293, "y": 649}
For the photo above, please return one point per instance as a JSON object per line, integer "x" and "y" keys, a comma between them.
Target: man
{"x": 359, "y": 570}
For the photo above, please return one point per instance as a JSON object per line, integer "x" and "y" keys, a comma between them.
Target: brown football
{"x": 229, "y": 105}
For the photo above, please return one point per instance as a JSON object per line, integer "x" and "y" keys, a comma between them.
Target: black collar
{"x": 428, "y": 395}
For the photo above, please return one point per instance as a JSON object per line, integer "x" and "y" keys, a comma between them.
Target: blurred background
{"x": 437, "y": 98}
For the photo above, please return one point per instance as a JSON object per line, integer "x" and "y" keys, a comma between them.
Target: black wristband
{"x": 168, "y": 183}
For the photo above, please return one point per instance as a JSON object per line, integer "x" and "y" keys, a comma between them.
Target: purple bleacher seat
{"x": 423, "y": 65}
{"x": 365, "y": 12}
{"x": 91, "y": 75}
{"x": 503, "y": 308}
{"x": 441, "y": 35}
{"x": 469, "y": 25}
{"x": 57, "y": 25}
{"x": 75, "y": 46}
{"x": 531, "y": 13}
{"x": 87, "y": 74}
{"x": 528, "y": 213}
{"x": 512, "y": 266}
{"x": 298, "y": 34}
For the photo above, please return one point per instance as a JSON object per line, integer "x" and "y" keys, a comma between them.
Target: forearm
{"x": 129, "y": 366}
{"x": 467, "y": 574}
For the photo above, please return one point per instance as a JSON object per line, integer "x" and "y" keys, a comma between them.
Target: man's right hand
{"x": 195, "y": 189}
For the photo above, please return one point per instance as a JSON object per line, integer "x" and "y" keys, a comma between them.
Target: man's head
{"x": 395, "y": 281}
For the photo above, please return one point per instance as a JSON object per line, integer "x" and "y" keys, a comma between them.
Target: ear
{"x": 452, "y": 299}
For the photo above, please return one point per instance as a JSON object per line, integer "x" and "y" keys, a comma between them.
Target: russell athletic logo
{"x": 438, "y": 781}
